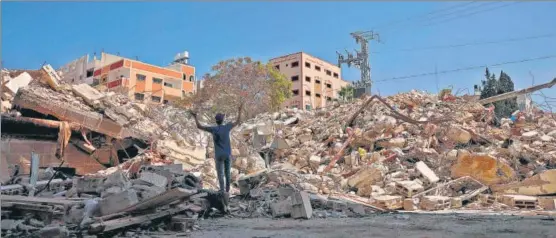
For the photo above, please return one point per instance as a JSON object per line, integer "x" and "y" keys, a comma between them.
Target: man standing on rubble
{"x": 222, "y": 146}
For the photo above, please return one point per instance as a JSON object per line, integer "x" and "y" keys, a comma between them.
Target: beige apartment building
{"x": 315, "y": 82}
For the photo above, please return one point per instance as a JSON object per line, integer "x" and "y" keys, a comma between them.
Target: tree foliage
{"x": 493, "y": 87}
{"x": 347, "y": 93}
{"x": 259, "y": 86}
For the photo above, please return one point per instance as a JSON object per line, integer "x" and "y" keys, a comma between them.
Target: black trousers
{"x": 223, "y": 170}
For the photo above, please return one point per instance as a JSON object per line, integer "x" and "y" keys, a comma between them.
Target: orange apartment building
{"x": 141, "y": 81}
{"x": 315, "y": 82}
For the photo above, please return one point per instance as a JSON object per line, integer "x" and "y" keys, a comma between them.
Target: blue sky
{"x": 58, "y": 32}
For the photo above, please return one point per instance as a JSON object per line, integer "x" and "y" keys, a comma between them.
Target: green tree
{"x": 241, "y": 80}
{"x": 493, "y": 87}
{"x": 347, "y": 93}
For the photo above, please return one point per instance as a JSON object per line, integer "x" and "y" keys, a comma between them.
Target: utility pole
{"x": 361, "y": 60}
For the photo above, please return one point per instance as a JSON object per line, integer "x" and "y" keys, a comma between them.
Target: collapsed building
{"x": 101, "y": 163}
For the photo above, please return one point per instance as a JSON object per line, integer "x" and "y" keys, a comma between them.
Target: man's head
{"x": 219, "y": 118}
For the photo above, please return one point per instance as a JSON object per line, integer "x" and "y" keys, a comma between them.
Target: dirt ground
{"x": 385, "y": 225}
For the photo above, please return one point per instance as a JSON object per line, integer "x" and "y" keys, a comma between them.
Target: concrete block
{"x": 389, "y": 202}
{"x": 281, "y": 208}
{"x": 456, "y": 203}
{"x": 432, "y": 203}
{"x": 154, "y": 179}
{"x": 520, "y": 201}
{"x": 285, "y": 192}
{"x": 337, "y": 205}
{"x": 88, "y": 184}
{"x": 301, "y": 205}
{"x": 117, "y": 179}
{"x": 118, "y": 202}
{"x": 18, "y": 82}
{"x": 547, "y": 203}
{"x": 426, "y": 172}
{"x": 53, "y": 79}
{"x": 408, "y": 188}
{"x": 54, "y": 232}
{"x": 409, "y": 204}
{"x": 459, "y": 135}
{"x": 356, "y": 208}
{"x": 88, "y": 93}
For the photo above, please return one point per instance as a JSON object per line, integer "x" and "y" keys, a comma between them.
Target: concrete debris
{"x": 130, "y": 163}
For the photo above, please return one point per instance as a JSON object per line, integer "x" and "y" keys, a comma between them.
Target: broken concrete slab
{"x": 18, "y": 82}
{"x": 426, "y": 172}
{"x": 301, "y": 205}
{"x": 154, "y": 179}
{"x": 54, "y": 232}
{"x": 281, "y": 208}
{"x": 540, "y": 184}
{"x": 485, "y": 168}
{"x": 88, "y": 93}
{"x": 547, "y": 203}
{"x": 53, "y": 79}
{"x": 433, "y": 203}
{"x": 118, "y": 202}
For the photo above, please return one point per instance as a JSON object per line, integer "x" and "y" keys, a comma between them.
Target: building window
{"x": 184, "y": 77}
{"x": 307, "y": 93}
{"x": 139, "y": 96}
{"x": 295, "y": 78}
{"x": 157, "y": 80}
{"x": 328, "y": 72}
{"x": 90, "y": 72}
{"x": 165, "y": 101}
{"x": 141, "y": 77}
{"x": 317, "y": 68}
{"x": 277, "y": 66}
{"x": 317, "y": 95}
{"x": 191, "y": 78}
{"x": 295, "y": 92}
{"x": 168, "y": 85}
{"x": 328, "y": 99}
{"x": 307, "y": 64}
{"x": 295, "y": 64}
{"x": 156, "y": 99}
{"x": 329, "y": 85}
{"x": 308, "y": 107}
{"x": 317, "y": 81}
{"x": 335, "y": 75}
{"x": 307, "y": 79}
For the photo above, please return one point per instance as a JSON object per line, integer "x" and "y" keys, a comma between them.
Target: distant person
{"x": 222, "y": 146}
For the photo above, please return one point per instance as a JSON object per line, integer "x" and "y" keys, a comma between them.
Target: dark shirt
{"x": 221, "y": 138}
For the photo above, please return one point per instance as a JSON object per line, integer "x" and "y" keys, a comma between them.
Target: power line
{"x": 461, "y": 10}
{"x": 470, "y": 43}
{"x": 424, "y": 15}
{"x": 470, "y": 14}
{"x": 465, "y": 69}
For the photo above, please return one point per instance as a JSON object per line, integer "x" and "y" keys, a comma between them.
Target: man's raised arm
{"x": 204, "y": 128}
{"x": 238, "y": 120}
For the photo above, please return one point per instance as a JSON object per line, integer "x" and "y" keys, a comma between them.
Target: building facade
{"x": 315, "y": 82}
{"x": 80, "y": 70}
{"x": 141, "y": 81}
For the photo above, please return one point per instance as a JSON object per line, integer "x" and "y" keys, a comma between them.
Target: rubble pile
{"x": 413, "y": 151}
{"x": 99, "y": 162}
{"x": 137, "y": 197}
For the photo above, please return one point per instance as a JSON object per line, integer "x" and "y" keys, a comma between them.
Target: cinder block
{"x": 301, "y": 205}
{"x": 426, "y": 172}
{"x": 89, "y": 184}
{"x": 408, "y": 188}
{"x": 182, "y": 224}
{"x": 118, "y": 202}
{"x": 520, "y": 201}
{"x": 432, "y": 203}
{"x": 154, "y": 179}
{"x": 281, "y": 208}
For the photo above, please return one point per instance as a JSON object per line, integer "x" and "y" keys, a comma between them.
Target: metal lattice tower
{"x": 361, "y": 60}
